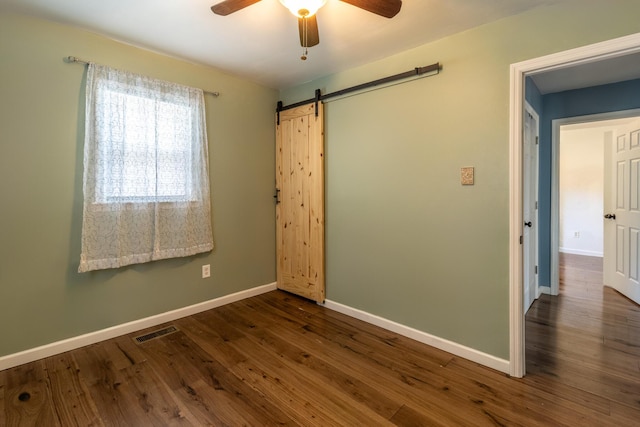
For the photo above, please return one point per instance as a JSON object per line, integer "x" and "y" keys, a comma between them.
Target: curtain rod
{"x": 74, "y": 59}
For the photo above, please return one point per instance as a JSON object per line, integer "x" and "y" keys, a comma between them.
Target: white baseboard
{"x": 543, "y": 290}
{"x": 485, "y": 359}
{"x": 73, "y": 343}
{"x": 580, "y": 252}
{"x": 52, "y": 349}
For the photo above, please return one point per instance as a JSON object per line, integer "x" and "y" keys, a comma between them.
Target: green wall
{"x": 405, "y": 240}
{"x": 42, "y": 297}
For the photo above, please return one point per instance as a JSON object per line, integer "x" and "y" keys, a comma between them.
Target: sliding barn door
{"x": 300, "y": 207}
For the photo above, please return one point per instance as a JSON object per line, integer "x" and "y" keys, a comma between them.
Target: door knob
{"x": 610, "y": 216}
{"x": 528, "y": 224}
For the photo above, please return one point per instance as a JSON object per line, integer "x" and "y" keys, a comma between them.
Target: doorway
{"x": 581, "y": 189}
{"x": 572, "y": 240}
{"x": 598, "y": 53}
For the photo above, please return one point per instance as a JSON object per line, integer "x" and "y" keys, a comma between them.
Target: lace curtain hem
{"x": 101, "y": 264}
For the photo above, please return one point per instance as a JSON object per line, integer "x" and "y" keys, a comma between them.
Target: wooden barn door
{"x": 300, "y": 207}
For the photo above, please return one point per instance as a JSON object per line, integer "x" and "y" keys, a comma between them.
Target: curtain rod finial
{"x": 74, "y": 60}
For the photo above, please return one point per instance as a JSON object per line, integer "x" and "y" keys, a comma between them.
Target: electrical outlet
{"x": 576, "y": 234}
{"x": 206, "y": 271}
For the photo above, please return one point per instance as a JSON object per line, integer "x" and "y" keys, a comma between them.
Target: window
{"x": 146, "y": 180}
{"x": 148, "y": 151}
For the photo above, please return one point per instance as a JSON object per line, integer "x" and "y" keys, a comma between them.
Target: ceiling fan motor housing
{"x": 303, "y": 8}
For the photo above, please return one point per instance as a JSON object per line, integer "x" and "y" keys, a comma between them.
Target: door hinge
{"x": 537, "y": 140}
{"x": 536, "y": 205}
{"x": 536, "y": 269}
{"x": 520, "y": 239}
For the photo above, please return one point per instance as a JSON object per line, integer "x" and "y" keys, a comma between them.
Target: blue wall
{"x": 532, "y": 95}
{"x": 573, "y": 103}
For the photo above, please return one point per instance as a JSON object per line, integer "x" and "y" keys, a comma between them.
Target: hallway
{"x": 587, "y": 339}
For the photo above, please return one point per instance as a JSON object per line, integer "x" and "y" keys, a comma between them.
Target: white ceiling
{"x": 610, "y": 70}
{"x": 261, "y": 41}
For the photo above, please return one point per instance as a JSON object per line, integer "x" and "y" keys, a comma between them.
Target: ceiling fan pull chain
{"x": 304, "y": 38}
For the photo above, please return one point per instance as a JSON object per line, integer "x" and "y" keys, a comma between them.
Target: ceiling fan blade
{"x": 229, "y": 6}
{"x": 310, "y": 37}
{"x": 386, "y": 8}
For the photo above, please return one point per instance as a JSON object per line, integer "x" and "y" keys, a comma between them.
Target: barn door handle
{"x": 610, "y": 216}
{"x": 528, "y": 224}
{"x": 276, "y": 196}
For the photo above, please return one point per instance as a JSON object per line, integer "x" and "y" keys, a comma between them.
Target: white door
{"x": 530, "y": 212}
{"x": 622, "y": 212}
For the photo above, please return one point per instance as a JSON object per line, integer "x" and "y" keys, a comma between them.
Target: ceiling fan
{"x": 305, "y": 11}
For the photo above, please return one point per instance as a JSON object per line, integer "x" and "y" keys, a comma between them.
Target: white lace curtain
{"x": 146, "y": 171}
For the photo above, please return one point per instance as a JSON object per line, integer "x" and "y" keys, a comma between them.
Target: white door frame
{"x": 518, "y": 71}
{"x": 555, "y": 182}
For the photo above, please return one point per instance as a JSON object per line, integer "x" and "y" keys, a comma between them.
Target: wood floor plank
{"x": 149, "y": 401}
{"x": 208, "y": 333}
{"x": 419, "y": 380}
{"x": 3, "y": 388}
{"x": 368, "y": 372}
{"x": 359, "y": 363}
{"x": 31, "y": 372}
{"x": 623, "y": 390}
{"x": 303, "y": 360}
{"x": 595, "y": 353}
{"x": 109, "y": 386}
{"x": 71, "y": 398}
{"x": 27, "y": 396}
{"x": 30, "y": 404}
{"x": 623, "y": 415}
{"x": 542, "y": 407}
{"x": 277, "y": 359}
{"x": 211, "y": 391}
{"x": 275, "y": 365}
{"x": 582, "y": 338}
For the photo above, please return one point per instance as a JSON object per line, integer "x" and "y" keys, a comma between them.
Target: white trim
{"x": 73, "y": 343}
{"x": 423, "y": 337}
{"x": 580, "y": 252}
{"x": 543, "y": 290}
{"x": 554, "y": 226}
{"x": 595, "y": 52}
{"x": 516, "y": 291}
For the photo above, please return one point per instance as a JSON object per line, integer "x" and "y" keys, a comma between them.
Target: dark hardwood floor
{"x": 277, "y": 359}
{"x": 586, "y": 341}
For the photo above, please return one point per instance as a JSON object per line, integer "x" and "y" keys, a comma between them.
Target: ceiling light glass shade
{"x": 298, "y": 7}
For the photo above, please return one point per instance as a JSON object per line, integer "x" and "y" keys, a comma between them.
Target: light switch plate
{"x": 466, "y": 176}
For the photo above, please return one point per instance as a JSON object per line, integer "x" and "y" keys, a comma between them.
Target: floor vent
{"x": 156, "y": 334}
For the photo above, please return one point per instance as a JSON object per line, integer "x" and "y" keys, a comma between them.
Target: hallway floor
{"x": 587, "y": 339}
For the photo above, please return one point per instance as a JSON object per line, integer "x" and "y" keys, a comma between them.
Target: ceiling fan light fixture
{"x": 303, "y": 8}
